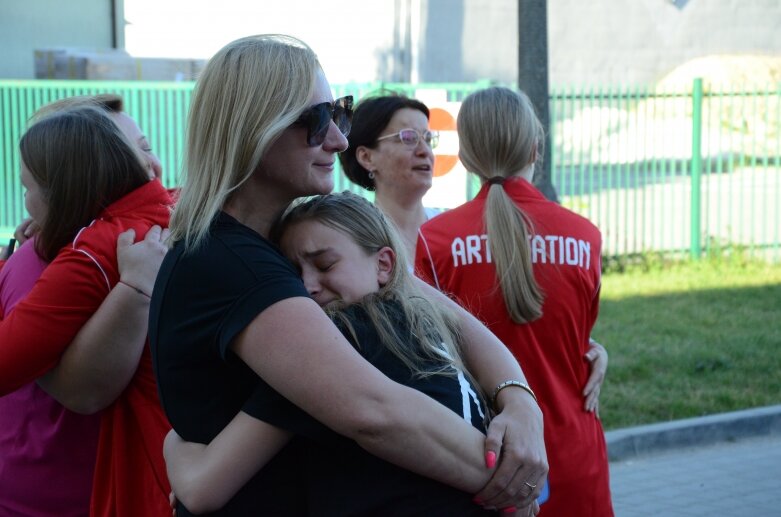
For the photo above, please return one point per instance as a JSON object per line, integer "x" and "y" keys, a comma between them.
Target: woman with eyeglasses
{"x": 232, "y": 325}
{"x": 391, "y": 153}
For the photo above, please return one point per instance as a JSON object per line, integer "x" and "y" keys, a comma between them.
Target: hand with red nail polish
{"x": 490, "y": 459}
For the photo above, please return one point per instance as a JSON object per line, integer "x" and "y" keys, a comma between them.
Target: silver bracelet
{"x": 507, "y": 384}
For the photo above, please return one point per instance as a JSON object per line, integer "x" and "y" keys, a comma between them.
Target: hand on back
{"x": 139, "y": 263}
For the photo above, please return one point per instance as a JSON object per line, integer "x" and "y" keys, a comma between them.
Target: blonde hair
{"x": 431, "y": 326}
{"x": 247, "y": 95}
{"x": 500, "y": 135}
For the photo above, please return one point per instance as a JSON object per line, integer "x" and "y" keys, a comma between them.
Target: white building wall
{"x": 594, "y": 41}
{"x": 640, "y": 41}
{"x": 599, "y": 41}
{"x": 26, "y": 25}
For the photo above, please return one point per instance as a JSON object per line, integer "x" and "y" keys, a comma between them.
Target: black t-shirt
{"x": 202, "y": 300}
{"x": 343, "y": 479}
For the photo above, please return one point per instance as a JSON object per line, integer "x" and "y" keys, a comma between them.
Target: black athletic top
{"x": 343, "y": 479}
{"x": 202, "y": 300}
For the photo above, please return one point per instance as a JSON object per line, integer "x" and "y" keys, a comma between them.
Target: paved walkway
{"x": 740, "y": 478}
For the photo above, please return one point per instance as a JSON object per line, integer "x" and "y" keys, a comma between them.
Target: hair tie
{"x": 496, "y": 180}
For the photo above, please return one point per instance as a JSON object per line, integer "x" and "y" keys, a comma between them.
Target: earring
{"x": 371, "y": 175}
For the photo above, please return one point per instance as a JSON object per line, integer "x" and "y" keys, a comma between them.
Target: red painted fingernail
{"x": 477, "y": 500}
{"x": 509, "y": 509}
{"x": 490, "y": 459}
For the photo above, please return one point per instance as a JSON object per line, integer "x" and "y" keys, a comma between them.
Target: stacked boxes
{"x": 112, "y": 64}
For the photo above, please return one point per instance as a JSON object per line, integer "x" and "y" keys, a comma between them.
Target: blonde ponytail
{"x": 499, "y": 134}
{"x": 507, "y": 227}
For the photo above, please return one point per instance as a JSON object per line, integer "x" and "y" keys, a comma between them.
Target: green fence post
{"x": 696, "y": 168}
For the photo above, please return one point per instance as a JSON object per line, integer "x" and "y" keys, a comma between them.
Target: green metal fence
{"x": 670, "y": 171}
{"x": 159, "y": 108}
{"x": 692, "y": 171}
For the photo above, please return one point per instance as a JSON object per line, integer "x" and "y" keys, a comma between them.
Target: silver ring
{"x": 529, "y": 485}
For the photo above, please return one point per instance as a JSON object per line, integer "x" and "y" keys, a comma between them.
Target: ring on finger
{"x": 531, "y": 486}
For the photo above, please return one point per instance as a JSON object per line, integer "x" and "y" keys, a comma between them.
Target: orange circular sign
{"x": 441, "y": 120}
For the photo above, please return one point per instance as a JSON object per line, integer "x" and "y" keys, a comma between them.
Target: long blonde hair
{"x": 499, "y": 135}
{"x": 430, "y": 324}
{"x": 247, "y": 95}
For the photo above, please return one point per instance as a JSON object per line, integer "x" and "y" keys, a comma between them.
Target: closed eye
{"x": 143, "y": 143}
{"x": 325, "y": 268}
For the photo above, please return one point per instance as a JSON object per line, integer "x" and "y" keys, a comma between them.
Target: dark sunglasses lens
{"x": 319, "y": 119}
{"x": 343, "y": 119}
{"x": 343, "y": 114}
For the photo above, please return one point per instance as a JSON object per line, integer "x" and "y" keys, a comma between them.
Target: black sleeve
{"x": 268, "y": 405}
{"x": 275, "y": 280}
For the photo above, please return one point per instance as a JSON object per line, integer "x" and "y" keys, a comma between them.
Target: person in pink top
{"x": 43, "y": 443}
{"x": 39, "y": 438}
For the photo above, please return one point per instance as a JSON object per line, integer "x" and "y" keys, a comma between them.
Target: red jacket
{"x": 130, "y": 477}
{"x": 452, "y": 254}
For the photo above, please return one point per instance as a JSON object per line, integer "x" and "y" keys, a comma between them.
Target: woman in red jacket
{"x": 530, "y": 269}
{"x": 86, "y": 184}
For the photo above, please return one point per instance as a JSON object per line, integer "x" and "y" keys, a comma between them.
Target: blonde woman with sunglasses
{"x": 391, "y": 153}
{"x": 230, "y": 313}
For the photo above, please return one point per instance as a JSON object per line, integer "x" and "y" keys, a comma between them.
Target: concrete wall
{"x": 35, "y": 24}
{"x": 594, "y": 41}
{"x": 640, "y": 41}
{"x": 590, "y": 41}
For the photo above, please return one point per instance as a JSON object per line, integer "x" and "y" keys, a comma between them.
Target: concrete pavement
{"x": 727, "y": 464}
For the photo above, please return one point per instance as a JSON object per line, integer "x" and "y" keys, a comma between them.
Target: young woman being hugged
{"x": 354, "y": 266}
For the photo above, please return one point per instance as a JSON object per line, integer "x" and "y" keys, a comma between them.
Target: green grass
{"x": 689, "y": 339}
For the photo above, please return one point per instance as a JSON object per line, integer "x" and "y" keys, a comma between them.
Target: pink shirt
{"x": 47, "y": 453}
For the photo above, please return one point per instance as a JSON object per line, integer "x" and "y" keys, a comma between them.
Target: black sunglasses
{"x": 317, "y": 119}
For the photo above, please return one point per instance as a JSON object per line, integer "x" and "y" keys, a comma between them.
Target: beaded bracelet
{"x": 507, "y": 384}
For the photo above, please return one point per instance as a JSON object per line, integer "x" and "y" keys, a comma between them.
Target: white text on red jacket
{"x": 545, "y": 249}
